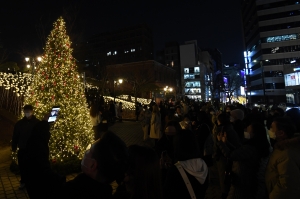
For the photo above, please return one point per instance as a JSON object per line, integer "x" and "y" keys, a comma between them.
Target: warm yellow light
{"x": 165, "y": 89}
{"x": 171, "y": 89}
{"x": 39, "y": 59}
{"x": 27, "y": 59}
{"x": 120, "y": 81}
{"x": 28, "y": 66}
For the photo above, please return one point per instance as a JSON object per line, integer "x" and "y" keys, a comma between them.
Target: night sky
{"x": 213, "y": 23}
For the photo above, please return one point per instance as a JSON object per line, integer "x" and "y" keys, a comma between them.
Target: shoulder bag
{"x": 186, "y": 180}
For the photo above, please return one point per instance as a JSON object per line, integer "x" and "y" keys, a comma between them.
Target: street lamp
{"x": 33, "y": 64}
{"x": 120, "y": 81}
{"x": 168, "y": 89}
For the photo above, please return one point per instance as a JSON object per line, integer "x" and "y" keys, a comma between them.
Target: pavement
{"x": 130, "y": 132}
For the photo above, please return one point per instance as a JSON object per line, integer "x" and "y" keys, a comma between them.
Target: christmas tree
{"x": 58, "y": 83}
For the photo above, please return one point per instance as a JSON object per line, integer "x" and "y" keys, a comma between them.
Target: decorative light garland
{"x": 140, "y": 100}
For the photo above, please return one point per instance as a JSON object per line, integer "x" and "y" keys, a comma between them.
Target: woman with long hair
{"x": 155, "y": 128}
{"x": 95, "y": 119}
{"x": 246, "y": 160}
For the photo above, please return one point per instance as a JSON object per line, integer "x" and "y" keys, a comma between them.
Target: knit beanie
{"x": 237, "y": 114}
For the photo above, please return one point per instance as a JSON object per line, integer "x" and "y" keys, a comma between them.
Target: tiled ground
{"x": 130, "y": 132}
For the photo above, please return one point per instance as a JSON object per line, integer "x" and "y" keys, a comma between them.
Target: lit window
{"x": 293, "y": 36}
{"x": 126, "y": 51}
{"x": 115, "y": 52}
{"x": 132, "y": 50}
{"x": 270, "y": 39}
{"x": 109, "y": 53}
{"x": 278, "y": 38}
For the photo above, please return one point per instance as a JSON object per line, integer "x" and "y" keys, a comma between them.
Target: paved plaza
{"x": 128, "y": 131}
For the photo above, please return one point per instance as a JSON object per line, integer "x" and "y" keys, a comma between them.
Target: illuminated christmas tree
{"x": 58, "y": 83}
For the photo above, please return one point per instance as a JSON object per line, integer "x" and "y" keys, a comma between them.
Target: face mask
{"x": 246, "y": 135}
{"x": 231, "y": 119}
{"x": 271, "y": 133}
{"x": 28, "y": 114}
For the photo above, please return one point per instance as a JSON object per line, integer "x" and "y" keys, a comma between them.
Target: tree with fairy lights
{"x": 57, "y": 83}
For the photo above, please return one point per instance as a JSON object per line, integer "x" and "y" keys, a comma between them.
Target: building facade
{"x": 127, "y": 45}
{"x": 196, "y": 77}
{"x": 216, "y": 56}
{"x": 271, "y": 35}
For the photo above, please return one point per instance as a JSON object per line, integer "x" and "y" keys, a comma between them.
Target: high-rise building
{"x": 170, "y": 56}
{"x": 1, "y": 43}
{"x": 272, "y": 48}
{"x": 130, "y": 44}
{"x": 216, "y": 55}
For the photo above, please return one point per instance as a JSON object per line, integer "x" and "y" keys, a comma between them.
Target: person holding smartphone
{"x": 22, "y": 131}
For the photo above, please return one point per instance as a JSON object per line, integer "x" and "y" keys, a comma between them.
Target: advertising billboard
{"x": 292, "y": 79}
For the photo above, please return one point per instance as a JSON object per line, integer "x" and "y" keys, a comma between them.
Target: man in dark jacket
{"x": 103, "y": 163}
{"x": 283, "y": 173}
{"x": 40, "y": 178}
{"x": 22, "y": 131}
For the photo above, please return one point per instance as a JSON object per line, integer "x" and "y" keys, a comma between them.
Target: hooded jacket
{"x": 196, "y": 171}
{"x": 283, "y": 170}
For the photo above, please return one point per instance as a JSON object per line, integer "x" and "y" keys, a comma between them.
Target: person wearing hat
{"x": 22, "y": 131}
{"x": 236, "y": 119}
{"x": 144, "y": 118}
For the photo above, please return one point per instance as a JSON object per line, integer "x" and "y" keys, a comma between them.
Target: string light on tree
{"x": 57, "y": 83}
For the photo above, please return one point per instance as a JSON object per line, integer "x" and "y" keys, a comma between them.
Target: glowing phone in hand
{"x": 54, "y": 114}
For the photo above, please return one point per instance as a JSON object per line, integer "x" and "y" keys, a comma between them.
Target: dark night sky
{"x": 214, "y": 23}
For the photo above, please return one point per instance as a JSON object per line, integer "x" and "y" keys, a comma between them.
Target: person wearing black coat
{"x": 105, "y": 162}
{"x": 186, "y": 151}
{"x": 246, "y": 161}
{"x": 40, "y": 178}
{"x": 223, "y": 125}
{"x": 22, "y": 131}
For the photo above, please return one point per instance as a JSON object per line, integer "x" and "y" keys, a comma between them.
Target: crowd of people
{"x": 256, "y": 154}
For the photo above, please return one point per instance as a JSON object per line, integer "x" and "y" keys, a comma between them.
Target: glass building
{"x": 272, "y": 49}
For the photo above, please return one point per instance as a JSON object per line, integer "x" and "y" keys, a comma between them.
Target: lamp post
{"x": 31, "y": 62}
{"x": 120, "y": 81}
{"x": 167, "y": 89}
